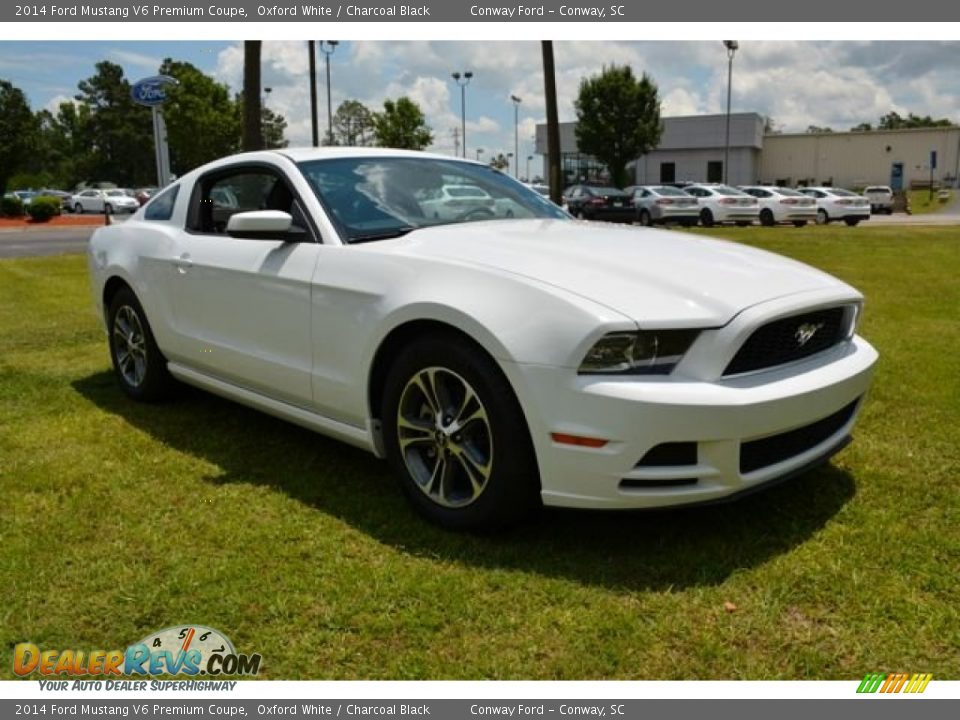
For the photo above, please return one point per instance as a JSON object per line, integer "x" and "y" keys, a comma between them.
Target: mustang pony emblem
{"x": 806, "y": 332}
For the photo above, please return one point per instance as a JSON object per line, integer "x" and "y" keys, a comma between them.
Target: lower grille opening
{"x": 767, "y": 451}
{"x": 672, "y": 453}
{"x": 634, "y": 484}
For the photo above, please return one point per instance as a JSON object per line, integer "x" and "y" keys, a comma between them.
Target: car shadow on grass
{"x": 647, "y": 550}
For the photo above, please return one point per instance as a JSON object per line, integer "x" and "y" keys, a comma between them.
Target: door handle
{"x": 183, "y": 263}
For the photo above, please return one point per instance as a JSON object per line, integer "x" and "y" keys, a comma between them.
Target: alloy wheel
{"x": 130, "y": 346}
{"x": 445, "y": 438}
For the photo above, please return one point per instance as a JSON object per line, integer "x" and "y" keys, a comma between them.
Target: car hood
{"x": 656, "y": 277}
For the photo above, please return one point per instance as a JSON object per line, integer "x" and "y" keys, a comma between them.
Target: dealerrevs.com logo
{"x": 190, "y": 650}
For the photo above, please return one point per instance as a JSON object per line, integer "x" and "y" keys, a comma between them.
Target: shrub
{"x": 43, "y": 207}
{"x": 11, "y": 206}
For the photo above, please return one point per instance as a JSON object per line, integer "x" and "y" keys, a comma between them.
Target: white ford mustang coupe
{"x": 494, "y": 362}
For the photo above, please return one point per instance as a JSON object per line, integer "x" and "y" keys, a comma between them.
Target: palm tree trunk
{"x": 252, "y": 128}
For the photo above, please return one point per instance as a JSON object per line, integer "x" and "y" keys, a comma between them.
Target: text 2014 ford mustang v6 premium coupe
{"x": 497, "y": 354}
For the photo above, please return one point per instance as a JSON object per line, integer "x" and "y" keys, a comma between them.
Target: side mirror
{"x": 262, "y": 225}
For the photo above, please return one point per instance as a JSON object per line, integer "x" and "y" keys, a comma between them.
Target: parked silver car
{"x": 664, "y": 204}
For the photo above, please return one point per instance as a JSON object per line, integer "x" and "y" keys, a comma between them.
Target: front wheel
{"x": 645, "y": 218}
{"x": 456, "y": 436}
{"x": 138, "y": 363}
{"x": 706, "y": 218}
{"x": 822, "y": 217}
{"x": 766, "y": 218}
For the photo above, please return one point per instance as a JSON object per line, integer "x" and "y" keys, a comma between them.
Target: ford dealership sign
{"x": 152, "y": 91}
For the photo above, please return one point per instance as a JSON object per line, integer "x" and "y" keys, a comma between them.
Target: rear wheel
{"x": 851, "y": 222}
{"x": 78, "y": 209}
{"x": 645, "y": 218}
{"x": 766, "y": 218}
{"x": 706, "y": 217}
{"x": 822, "y": 217}
{"x": 139, "y": 365}
{"x": 456, "y": 437}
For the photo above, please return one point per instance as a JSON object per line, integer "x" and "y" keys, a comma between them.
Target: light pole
{"x": 327, "y": 47}
{"x": 529, "y": 158}
{"x": 516, "y": 134}
{"x": 465, "y": 78}
{"x": 479, "y": 153}
{"x": 731, "y": 46}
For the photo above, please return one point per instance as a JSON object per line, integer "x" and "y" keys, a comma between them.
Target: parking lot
{"x": 119, "y": 518}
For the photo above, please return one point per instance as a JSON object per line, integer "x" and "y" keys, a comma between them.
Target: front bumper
{"x": 719, "y": 417}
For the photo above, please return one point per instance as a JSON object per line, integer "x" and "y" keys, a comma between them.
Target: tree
{"x": 121, "y": 132}
{"x": 202, "y": 118}
{"x": 618, "y": 118}
{"x": 862, "y": 127}
{"x": 500, "y": 162}
{"x": 401, "y": 125}
{"x": 812, "y": 129}
{"x": 274, "y": 127}
{"x": 352, "y": 124}
{"x": 17, "y": 131}
{"x": 252, "y": 114}
{"x": 894, "y": 121}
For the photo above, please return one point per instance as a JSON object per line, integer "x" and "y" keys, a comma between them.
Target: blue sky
{"x": 838, "y": 84}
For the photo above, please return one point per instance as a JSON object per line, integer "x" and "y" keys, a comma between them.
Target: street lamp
{"x": 516, "y": 134}
{"x": 479, "y": 153}
{"x": 327, "y": 47}
{"x": 732, "y": 46}
{"x": 529, "y": 158}
{"x": 465, "y": 78}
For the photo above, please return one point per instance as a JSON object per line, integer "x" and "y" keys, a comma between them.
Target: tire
{"x": 78, "y": 209}
{"x": 706, "y": 217}
{"x": 429, "y": 379}
{"x": 130, "y": 337}
{"x": 766, "y": 218}
{"x": 851, "y": 222}
{"x": 645, "y": 218}
{"x": 822, "y": 217}
{"x": 799, "y": 223}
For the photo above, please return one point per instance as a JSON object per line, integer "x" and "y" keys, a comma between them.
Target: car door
{"x": 91, "y": 201}
{"x": 242, "y": 307}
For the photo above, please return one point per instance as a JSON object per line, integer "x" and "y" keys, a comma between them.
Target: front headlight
{"x": 648, "y": 352}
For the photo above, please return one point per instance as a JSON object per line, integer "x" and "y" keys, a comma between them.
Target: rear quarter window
{"x": 161, "y": 207}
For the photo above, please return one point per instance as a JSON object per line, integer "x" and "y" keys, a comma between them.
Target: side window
{"x": 161, "y": 207}
{"x": 224, "y": 194}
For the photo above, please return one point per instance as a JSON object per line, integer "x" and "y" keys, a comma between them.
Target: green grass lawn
{"x": 119, "y": 519}
{"x": 921, "y": 203}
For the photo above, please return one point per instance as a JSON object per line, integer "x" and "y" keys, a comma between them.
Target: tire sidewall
{"x": 513, "y": 487}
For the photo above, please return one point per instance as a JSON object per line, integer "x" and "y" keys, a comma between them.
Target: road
{"x": 46, "y": 241}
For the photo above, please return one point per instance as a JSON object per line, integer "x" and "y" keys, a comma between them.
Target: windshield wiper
{"x": 382, "y": 235}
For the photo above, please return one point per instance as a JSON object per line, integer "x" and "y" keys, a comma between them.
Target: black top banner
{"x": 474, "y": 11}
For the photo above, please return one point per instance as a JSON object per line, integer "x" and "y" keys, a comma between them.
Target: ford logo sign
{"x": 152, "y": 91}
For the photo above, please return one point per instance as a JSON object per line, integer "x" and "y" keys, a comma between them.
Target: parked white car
{"x": 880, "y": 198}
{"x": 104, "y": 201}
{"x": 452, "y": 201}
{"x": 782, "y": 205}
{"x": 661, "y": 204}
{"x": 722, "y": 204}
{"x": 495, "y": 363}
{"x": 838, "y": 204}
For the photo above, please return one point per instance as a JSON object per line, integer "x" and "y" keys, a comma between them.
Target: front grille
{"x": 675, "y": 453}
{"x": 767, "y": 451}
{"x": 782, "y": 341}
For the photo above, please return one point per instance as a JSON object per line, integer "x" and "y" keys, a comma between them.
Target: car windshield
{"x": 373, "y": 198}
{"x": 726, "y": 190}
{"x": 668, "y": 191}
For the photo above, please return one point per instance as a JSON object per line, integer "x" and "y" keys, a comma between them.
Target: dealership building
{"x": 693, "y": 148}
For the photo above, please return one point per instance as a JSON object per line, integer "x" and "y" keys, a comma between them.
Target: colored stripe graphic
{"x": 894, "y": 683}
